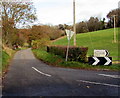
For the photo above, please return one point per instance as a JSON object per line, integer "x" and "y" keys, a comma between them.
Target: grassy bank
{"x": 102, "y": 39}
{"x": 7, "y": 55}
{"x": 56, "y": 60}
{"x": 5, "y": 60}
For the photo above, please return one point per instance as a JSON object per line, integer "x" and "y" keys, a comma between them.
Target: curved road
{"x": 27, "y": 76}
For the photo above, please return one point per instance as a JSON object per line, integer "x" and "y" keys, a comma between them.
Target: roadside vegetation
{"x": 7, "y": 55}
{"x": 5, "y": 60}
{"x": 58, "y": 61}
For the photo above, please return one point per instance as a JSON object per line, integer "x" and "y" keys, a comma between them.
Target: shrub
{"x": 75, "y": 53}
{"x": 40, "y": 43}
{"x": 55, "y": 33}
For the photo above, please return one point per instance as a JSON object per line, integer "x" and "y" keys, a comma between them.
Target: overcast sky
{"x": 61, "y": 11}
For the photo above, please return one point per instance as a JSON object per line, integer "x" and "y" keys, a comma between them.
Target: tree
{"x": 110, "y": 16}
{"x": 14, "y": 13}
{"x": 18, "y": 12}
{"x": 38, "y": 37}
{"x": 61, "y": 27}
{"x": 81, "y": 27}
{"x": 93, "y": 24}
{"x": 103, "y": 24}
{"x": 54, "y": 33}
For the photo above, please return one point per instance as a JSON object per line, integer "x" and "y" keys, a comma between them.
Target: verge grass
{"x": 56, "y": 60}
{"x": 5, "y": 60}
{"x": 6, "y": 56}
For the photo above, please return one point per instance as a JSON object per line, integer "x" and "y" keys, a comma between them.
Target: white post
{"x": 68, "y": 46}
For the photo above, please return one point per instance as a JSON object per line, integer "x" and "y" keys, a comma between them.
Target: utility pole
{"x": 114, "y": 29}
{"x": 74, "y": 25}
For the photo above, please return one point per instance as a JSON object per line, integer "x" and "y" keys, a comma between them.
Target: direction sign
{"x": 100, "y": 60}
{"x": 101, "y": 53}
{"x": 69, "y": 34}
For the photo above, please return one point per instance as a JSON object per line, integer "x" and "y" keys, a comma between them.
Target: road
{"x": 27, "y": 76}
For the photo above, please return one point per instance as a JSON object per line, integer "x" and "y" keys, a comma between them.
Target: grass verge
{"x": 6, "y": 58}
{"x": 56, "y": 60}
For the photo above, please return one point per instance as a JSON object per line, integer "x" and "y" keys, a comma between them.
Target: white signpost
{"x": 69, "y": 36}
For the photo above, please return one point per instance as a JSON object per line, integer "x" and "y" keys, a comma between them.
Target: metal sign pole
{"x": 68, "y": 47}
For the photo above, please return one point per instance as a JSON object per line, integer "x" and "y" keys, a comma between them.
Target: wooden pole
{"x": 74, "y": 25}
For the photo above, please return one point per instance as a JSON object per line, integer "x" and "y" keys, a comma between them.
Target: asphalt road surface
{"x": 27, "y": 76}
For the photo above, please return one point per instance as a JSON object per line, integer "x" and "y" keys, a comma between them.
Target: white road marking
{"x": 41, "y": 72}
{"x": 98, "y": 83}
{"x": 112, "y": 76}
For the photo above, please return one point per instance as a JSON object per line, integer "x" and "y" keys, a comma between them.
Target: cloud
{"x": 61, "y": 11}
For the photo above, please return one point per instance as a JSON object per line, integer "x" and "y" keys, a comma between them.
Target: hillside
{"x": 102, "y": 39}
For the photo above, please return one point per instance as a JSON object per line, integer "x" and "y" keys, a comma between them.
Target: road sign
{"x": 101, "y": 53}
{"x": 100, "y": 60}
{"x": 69, "y": 34}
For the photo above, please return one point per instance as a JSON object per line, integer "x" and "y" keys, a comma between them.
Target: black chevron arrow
{"x": 100, "y": 60}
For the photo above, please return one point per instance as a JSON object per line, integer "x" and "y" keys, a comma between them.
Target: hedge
{"x": 75, "y": 53}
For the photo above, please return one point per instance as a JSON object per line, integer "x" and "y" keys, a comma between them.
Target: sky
{"x": 54, "y": 12}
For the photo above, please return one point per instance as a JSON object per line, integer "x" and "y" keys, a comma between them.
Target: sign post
{"x": 68, "y": 46}
{"x": 69, "y": 35}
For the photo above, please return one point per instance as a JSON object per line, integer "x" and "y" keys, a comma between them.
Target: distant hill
{"x": 102, "y": 39}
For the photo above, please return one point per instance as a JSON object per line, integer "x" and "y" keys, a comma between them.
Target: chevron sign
{"x": 100, "y": 60}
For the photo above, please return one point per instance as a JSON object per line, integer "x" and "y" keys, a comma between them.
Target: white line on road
{"x": 98, "y": 83}
{"x": 112, "y": 76}
{"x": 41, "y": 72}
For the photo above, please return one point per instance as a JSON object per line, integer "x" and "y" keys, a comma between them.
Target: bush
{"x": 75, "y": 53}
{"x": 40, "y": 43}
{"x": 55, "y": 33}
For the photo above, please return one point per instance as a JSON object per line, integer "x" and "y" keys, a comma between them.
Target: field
{"x": 102, "y": 39}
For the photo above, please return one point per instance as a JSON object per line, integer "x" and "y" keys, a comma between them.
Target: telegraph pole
{"x": 74, "y": 25}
